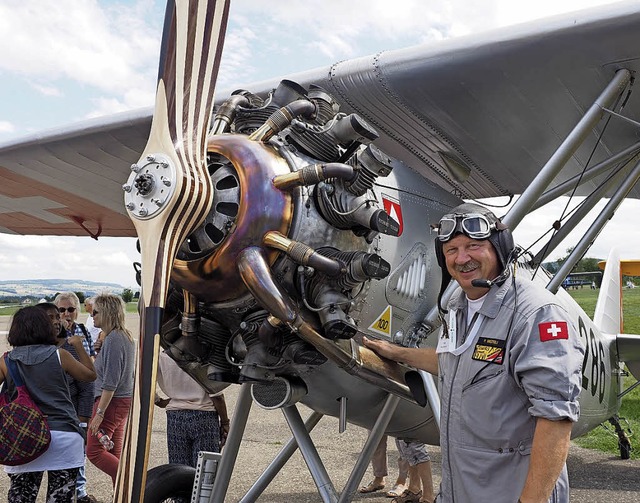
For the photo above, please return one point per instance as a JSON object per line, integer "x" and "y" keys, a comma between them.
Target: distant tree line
{"x": 586, "y": 264}
{"x": 127, "y": 295}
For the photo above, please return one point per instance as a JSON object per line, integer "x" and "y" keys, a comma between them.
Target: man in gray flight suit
{"x": 508, "y": 362}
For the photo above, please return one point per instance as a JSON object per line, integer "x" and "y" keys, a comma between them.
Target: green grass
{"x": 631, "y": 305}
{"x": 9, "y": 310}
{"x": 132, "y": 307}
{"x": 600, "y": 438}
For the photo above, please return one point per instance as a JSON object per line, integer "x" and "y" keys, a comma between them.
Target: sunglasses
{"x": 474, "y": 225}
{"x": 63, "y": 309}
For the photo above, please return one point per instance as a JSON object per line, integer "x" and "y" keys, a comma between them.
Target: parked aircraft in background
{"x": 273, "y": 237}
{"x": 580, "y": 279}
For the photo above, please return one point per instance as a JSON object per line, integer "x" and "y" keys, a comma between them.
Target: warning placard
{"x": 382, "y": 324}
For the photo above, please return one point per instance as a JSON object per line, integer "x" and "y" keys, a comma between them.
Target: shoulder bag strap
{"x": 14, "y": 372}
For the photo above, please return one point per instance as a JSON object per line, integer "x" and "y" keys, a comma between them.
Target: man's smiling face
{"x": 468, "y": 259}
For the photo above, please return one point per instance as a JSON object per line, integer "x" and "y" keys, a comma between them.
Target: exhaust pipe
{"x": 347, "y": 354}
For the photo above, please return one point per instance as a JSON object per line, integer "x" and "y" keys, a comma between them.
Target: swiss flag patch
{"x": 553, "y": 330}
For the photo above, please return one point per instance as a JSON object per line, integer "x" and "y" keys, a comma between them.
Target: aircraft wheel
{"x": 169, "y": 483}
{"x": 625, "y": 450}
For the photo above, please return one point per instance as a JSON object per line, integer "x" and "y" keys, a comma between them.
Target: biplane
{"x": 283, "y": 220}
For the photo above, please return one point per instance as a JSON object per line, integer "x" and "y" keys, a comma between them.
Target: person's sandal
{"x": 371, "y": 487}
{"x": 396, "y": 491}
{"x": 408, "y": 497}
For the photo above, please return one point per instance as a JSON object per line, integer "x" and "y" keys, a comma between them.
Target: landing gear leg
{"x": 623, "y": 439}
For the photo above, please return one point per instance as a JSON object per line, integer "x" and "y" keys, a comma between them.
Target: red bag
{"x": 24, "y": 432}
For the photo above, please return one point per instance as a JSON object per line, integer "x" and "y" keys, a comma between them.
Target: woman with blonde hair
{"x": 114, "y": 365}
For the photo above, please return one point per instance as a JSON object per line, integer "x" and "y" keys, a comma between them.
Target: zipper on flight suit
{"x": 453, "y": 377}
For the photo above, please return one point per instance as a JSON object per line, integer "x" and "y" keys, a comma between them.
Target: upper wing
{"x": 69, "y": 182}
{"x": 478, "y": 115}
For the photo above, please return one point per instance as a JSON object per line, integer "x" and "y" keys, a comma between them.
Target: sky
{"x": 70, "y": 60}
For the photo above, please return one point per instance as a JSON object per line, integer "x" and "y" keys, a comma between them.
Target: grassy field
{"x": 132, "y": 307}
{"x": 601, "y": 438}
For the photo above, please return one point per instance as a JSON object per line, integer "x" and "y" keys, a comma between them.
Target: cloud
{"x": 236, "y": 65}
{"x": 109, "y": 48}
{"x": 107, "y": 106}
{"x": 6, "y": 127}
{"x": 107, "y": 260}
{"x": 13, "y": 242}
{"x": 47, "y": 90}
{"x": 615, "y": 234}
{"x": 337, "y": 29}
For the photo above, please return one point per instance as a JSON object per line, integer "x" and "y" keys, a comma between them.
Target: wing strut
{"x": 581, "y": 212}
{"x": 232, "y": 446}
{"x": 595, "y": 228}
{"x": 278, "y": 462}
{"x": 375, "y": 434}
{"x": 301, "y": 439}
{"x": 568, "y": 147}
{"x": 550, "y": 170}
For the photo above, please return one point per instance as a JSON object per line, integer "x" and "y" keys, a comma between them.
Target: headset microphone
{"x": 488, "y": 283}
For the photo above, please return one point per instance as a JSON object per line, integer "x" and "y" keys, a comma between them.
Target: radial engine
{"x": 277, "y": 279}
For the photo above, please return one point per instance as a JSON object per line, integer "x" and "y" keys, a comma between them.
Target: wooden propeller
{"x": 168, "y": 194}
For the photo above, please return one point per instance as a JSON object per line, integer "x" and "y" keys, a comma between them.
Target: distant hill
{"x": 48, "y": 287}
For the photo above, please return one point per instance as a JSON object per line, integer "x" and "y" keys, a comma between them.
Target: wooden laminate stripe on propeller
{"x": 189, "y": 65}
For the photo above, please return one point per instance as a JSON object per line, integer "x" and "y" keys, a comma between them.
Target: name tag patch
{"x": 489, "y": 350}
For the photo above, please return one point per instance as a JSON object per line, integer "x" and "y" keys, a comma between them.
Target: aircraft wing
{"x": 69, "y": 182}
{"x": 478, "y": 115}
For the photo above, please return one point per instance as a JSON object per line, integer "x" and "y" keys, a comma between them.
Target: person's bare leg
{"x": 415, "y": 482}
{"x": 379, "y": 465}
{"x": 401, "y": 481}
{"x": 403, "y": 472}
{"x": 424, "y": 474}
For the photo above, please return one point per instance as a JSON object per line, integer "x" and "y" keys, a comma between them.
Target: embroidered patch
{"x": 553, "y": 330}
{"x": 489, "y": 350}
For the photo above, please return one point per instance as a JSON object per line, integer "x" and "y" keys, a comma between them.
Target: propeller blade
{"x": 168, "y": 194}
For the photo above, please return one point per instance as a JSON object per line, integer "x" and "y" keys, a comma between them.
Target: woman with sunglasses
{"x": 114, "y": 365}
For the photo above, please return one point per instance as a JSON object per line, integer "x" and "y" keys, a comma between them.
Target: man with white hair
{"x": 68, "y": 305}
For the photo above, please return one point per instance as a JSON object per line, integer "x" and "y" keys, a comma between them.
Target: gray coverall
{"x": 489, "y": 408}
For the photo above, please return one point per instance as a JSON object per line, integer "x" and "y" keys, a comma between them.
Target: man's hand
{"x": 383, "y": 348}
{"x": 420, "y": 358}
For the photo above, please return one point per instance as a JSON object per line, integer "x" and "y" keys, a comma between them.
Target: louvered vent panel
{"x": 412, "y": 281}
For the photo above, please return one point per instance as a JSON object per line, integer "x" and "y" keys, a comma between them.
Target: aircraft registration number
{"x": 594, "y": 375}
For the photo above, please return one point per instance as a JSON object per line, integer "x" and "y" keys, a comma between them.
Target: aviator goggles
{"x": 473, "y": 225}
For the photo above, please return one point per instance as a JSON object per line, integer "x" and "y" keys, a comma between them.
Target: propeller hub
{"x": 150, "y": 186}
{"x": 144, "y": 183}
